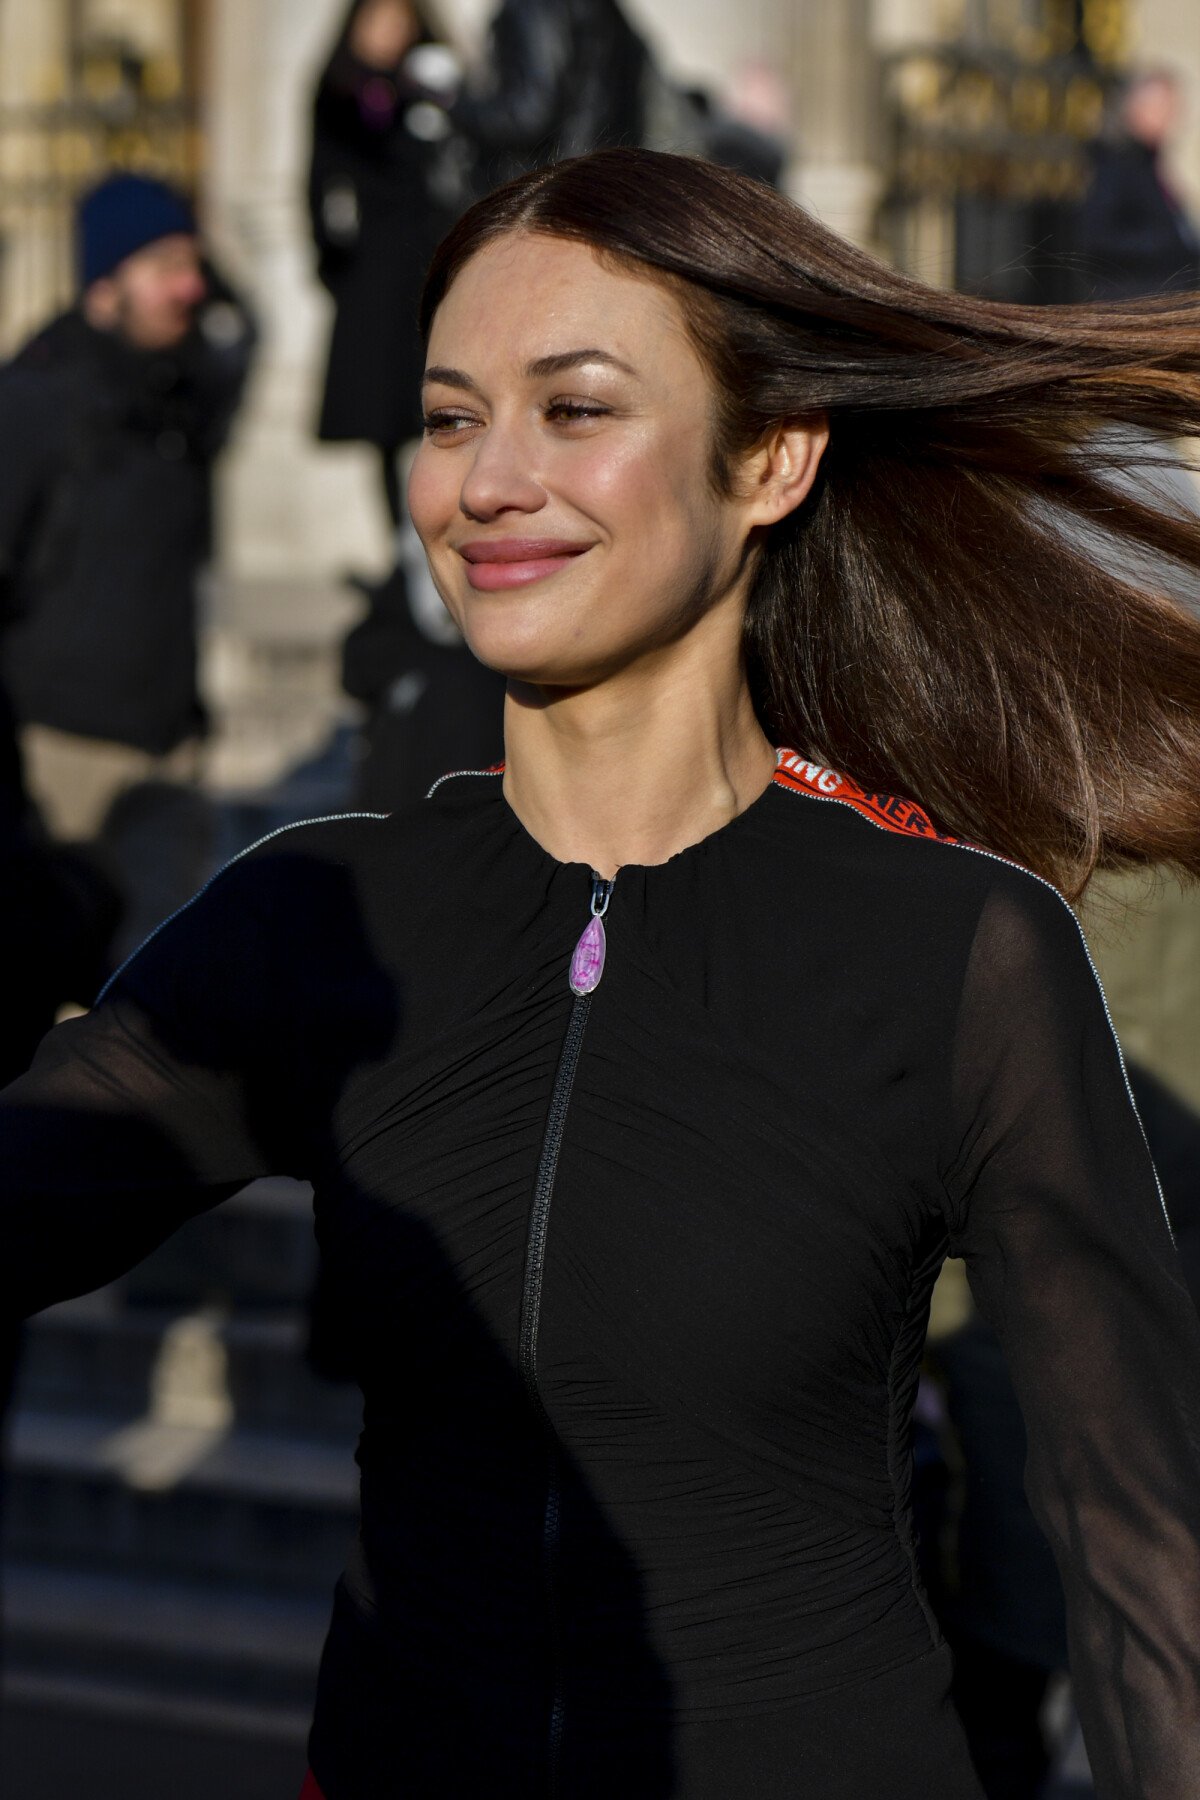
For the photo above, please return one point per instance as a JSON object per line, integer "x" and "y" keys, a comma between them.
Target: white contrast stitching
{"x": 453, "y": 775}
{"x": 327, "y": 819}
{"x": 1005, "y": 863}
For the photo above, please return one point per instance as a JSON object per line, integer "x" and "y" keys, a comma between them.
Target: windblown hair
{"x": 971, "y": 608}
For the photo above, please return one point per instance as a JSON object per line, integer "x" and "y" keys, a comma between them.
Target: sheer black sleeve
{"x": 158, "y": 1104}
{"x": 1056, "y": 1209}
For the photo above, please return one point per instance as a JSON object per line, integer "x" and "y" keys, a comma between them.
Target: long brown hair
{"x": 965, "y": 610}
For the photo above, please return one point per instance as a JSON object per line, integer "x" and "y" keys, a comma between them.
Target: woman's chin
{"x": 528, "y": 657}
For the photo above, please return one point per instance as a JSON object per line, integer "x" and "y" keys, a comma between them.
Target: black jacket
{"x": 564, "y": 77}
{"x": 1134, "y": 236}
{"x": 105, "y": 500}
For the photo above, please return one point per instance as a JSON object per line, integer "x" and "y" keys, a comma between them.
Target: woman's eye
{"x": 566, "y": 410}
{"x": 448, "y": 424}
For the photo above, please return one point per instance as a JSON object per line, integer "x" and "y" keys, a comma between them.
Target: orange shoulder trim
{"x": 888, "y": 811}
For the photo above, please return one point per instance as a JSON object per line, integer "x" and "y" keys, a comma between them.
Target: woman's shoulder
{"x": 420, "y": 835}
{"x": 888, "y": 848}
{"x": 307, "y": 885}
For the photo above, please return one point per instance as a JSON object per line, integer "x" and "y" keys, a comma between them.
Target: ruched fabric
{"x": 823, "y": 1054}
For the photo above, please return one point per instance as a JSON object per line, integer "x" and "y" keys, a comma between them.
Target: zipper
{"x": 527, "y": 1341}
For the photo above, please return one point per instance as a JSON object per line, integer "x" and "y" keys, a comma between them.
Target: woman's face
{"x": 563, "y": 489}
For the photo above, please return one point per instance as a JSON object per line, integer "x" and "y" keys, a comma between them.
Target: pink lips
{"x": 514, "y": 562}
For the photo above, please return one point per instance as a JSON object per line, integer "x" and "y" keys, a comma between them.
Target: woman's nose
{"x": 500, "y": 479}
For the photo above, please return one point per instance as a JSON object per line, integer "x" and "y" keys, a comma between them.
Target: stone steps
{"x": 170, "y": 1644}
{"x": 114, "y": 1740}
{"x": 201, "y": 1366}
{"x": 181, "y": 1496}
{"x": 211, "y": 1503}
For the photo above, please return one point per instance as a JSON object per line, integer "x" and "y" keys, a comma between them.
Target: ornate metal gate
{"x": 85, "y": 86}
{"x": 989, "y": 129}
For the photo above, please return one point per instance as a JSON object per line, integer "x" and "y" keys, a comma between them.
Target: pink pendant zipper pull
{"x": 587, "y": 964}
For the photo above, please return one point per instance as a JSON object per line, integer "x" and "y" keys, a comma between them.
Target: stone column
{"x": 292, "y": 515}
{"x": 36, "y": 274}
{"x": 838, "y": 113}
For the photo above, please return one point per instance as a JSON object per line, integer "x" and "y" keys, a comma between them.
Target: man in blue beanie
{"x": 139, "y": 261}
{"x": 110, "y": 420}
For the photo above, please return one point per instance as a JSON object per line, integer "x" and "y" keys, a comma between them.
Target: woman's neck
{"x": 634, "y": 769}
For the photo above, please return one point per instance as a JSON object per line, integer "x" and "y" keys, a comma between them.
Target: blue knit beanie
{"x": 121, "y": 216}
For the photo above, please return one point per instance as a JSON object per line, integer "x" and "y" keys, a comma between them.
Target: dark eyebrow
{"x": 538, "y": 370}
{"x": 571, "y": 359}
{"x": 449, "y": 378}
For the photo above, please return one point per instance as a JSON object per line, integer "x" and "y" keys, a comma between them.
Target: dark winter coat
{"x": 564, "y": 77}
{"x": 1134, "y": 236}
{"x": 377, "y": 217}
{"x": 105, "y": 501}
{"x": 58, "y": 906}
{"x": 432, "y": 706}
{"x": 58, "y": 910}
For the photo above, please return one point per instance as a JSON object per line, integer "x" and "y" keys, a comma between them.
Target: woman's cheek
{"x": 613, "y": 482}
{"x": 432, "y": 496}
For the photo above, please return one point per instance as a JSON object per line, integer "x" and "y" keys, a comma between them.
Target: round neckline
{"x": 524, "y": 835}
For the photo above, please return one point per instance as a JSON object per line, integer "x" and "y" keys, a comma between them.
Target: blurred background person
{"x": 560, "y": 77}
{"x": 110, "y": 420}
{"x": 1135, "y": 235}
{"x": 431, "y": 707}
{"x": 383, "y": 190}
{"x": 751, "y": 131}
{"x": 1133, "y": 238}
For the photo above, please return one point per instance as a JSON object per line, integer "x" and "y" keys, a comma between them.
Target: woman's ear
{"x": 781, "y": 471}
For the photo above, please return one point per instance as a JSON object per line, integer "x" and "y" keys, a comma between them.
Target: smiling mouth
{"x": 515, "y": 562}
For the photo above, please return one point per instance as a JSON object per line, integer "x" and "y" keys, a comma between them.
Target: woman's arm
{"x": 111, "y": 1142}
{"x": 166, "y": 1098}
{"x": 1056, "y": 1209}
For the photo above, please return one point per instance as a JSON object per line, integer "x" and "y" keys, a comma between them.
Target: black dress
{"x": 639, "y": 1281}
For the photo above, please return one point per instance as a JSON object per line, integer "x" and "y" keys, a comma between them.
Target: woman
{"x": 378, "y": 208}
{"x": 639, "y": 1248}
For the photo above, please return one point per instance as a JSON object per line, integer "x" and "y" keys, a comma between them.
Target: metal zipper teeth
{"x": 527, "y": 1343}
